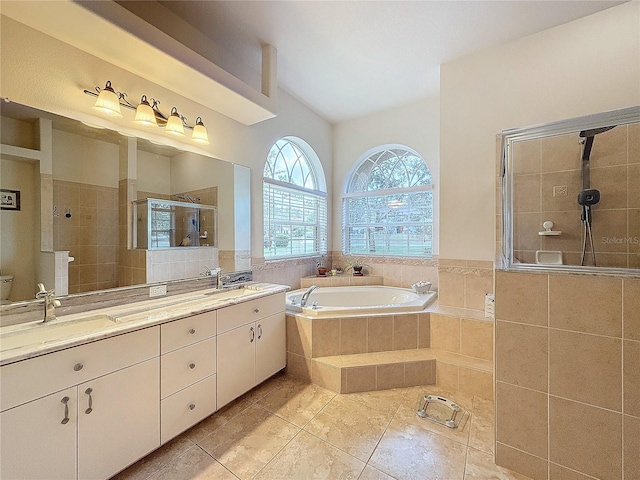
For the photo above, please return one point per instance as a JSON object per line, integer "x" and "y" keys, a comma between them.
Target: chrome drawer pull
{"x": 65, "y": 420}
{"x": 192, "y": 366}
{"x": 78, "y": 366}
{"x": 192, "y": 331}
{"x": 192, "y": 406}
{"x": 89, "y": 391}
{"x": 253, "y": 334}
{"x": 259, "y": 331}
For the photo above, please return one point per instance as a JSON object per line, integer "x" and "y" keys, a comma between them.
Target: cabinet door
{"x": 271, "y": 348}
{"x": 236, "y": 363}
{"x": 36, "y": 444}
{"x": 118, "y": 419}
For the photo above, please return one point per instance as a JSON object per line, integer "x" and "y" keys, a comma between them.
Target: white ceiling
{"x": 345, "y": 59}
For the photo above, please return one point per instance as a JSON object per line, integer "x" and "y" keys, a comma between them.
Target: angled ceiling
{"x": 345, "y": 59}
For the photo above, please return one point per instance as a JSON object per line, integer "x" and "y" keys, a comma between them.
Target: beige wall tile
{"x": 379, "y": 334}
{"x": 424, "y": 330}
{"x": 326, "y": 376}
{"x": 633, "y": 186}
{"x": 600, "y": 453}
{"x": 586, "y": 368}
{"x": 528, "y": 155}
{"x": 612, "y": 183}
{"x": 353, "y": 335}
{"x": 405, "y": 332}
{"x": 526, "y": 190}
{"x": 447, "y": 376}
{"x": 476, "y": 338}
{"x": 298, "y": 367}
{"x": 632, "y": 378}
{"x": 634, "y": 142}
{"x": 475, "y": 289}
{"x": 299, "y": 336}
{"x": 445, "y": 332}
{"x": 631, "y": 465}
{"x": 521, "y": 355}
{"x": 325, "y": 337}
{"x": 586, "y": 304}
{"x": 521, "y": 462}
{"x": 419, "y": 373}
{"x": 475, "y": 382}
{"x": 361, "y": 379}
{"x": 569, "y": 179}
{"x": 525, "y": 231}
{"x": 520, "y": 417}
{"x": 557, "y": 472}
{"x": 610, "y": 148}
{"x": 521, "y": 297}
{"x": 390, "y": 376}
{"x": 451, "y": 289}
{"x": 631, "y": 308}
{"x": 560, "y": 152}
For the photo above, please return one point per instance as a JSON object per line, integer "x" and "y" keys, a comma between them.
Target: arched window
{"x": 295, "y": 201}
{"x": 387, "y": 207}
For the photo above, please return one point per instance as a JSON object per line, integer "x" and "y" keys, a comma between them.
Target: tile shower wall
{"x": 86, "y": 224}
{"x": 547, "y": 180}
{"x": 567, "y": 375}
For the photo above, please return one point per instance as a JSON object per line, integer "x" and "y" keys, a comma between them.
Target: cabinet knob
{"x": 192, "y": 406}
{"x": 78, "y": 366}
{"x": 65, "y": 420}
{"x": 256, "y": 310}
{"x": 192, "y": 365}
{"x": 192, "y": 331}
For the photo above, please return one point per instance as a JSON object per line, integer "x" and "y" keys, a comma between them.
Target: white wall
{"x": 586, "y": 66}
{"x": 416, "y": 125}
{"x": 27, "y": 53}
{"x": 153, "y": 173}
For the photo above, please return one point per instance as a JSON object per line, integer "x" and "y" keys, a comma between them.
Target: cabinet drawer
{"x": 36, "y": 377}
{"x": 243, "y": 313}
{"x": 186, "y": 366}
{"x": 189, "y": 330}
{"x": 187, "y": 407}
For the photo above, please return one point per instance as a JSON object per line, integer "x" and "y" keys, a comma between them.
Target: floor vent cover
{"x": 441, "y": 410}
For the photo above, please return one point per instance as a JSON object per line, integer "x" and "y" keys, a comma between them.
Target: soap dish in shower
{"x": 441, "y": 410}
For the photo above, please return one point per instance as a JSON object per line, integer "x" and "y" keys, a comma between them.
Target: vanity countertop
{"x": 121, "y": 319}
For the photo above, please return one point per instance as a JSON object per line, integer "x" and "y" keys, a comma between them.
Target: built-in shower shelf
{"x": 441, "y": 410}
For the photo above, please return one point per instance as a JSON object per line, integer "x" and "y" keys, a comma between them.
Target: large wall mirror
{"x": 77, "y": 185}
{"x": 571, "y": 194}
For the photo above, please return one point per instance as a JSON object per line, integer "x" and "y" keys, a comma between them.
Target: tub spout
{"x": 305, "y": 297}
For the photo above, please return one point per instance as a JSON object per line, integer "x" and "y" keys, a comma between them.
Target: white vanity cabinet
{"x": 112, "y": 413}
{"x": 188, "y": 378}
{"x": 251, "y": 345}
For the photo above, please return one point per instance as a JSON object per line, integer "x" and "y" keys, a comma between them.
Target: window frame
{"x": 346, "y": 195}
{"x": 318, "y": 195}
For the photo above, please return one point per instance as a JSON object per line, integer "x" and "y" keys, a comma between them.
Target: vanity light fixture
{"x": 108, "y": 101}
{"x": 148, "y": 114}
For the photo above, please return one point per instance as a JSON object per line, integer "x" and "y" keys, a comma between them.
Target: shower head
{"x": 595, "y": 131}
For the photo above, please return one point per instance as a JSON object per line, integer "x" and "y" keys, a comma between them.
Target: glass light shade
{"x": 199, "y": 134}
{"x": 144, "y": 114}
{"x": 108, "y": 102}
{"x": 174, "y": 124}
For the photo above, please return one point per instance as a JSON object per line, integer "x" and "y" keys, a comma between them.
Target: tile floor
{"x": 286, "y": 429}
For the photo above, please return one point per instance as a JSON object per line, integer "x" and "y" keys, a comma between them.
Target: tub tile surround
{"x": 367, "y": 436}
{"x": 567, "y": 348}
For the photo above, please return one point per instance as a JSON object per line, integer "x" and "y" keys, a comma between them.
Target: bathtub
{"x": 364, "y": 300}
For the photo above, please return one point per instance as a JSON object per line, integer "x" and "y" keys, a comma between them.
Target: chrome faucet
{"x": 305, "y": 297}
{"x": 50, "y": 302}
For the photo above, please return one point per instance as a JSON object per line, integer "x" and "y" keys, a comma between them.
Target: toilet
{"x": 5, "y": 285}
{"x": 549, "y": 257}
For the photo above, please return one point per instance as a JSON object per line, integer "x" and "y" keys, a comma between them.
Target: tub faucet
{"x": 305, "y": 297}
{"x": 50, "y": 302}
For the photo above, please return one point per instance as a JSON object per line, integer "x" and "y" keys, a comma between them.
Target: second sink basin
{"x": 39, "y": 333}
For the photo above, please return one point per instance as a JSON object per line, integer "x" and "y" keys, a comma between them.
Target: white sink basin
{"x": 35, "y": 333}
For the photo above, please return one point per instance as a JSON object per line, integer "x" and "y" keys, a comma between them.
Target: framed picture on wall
{"x": 9, "y": 199}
